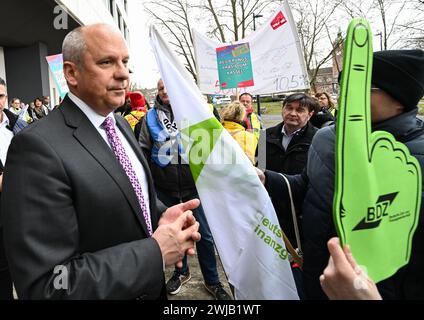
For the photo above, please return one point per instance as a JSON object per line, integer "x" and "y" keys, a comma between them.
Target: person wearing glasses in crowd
{"x": 324, "y": 115}
{"x": 397, "y": 87}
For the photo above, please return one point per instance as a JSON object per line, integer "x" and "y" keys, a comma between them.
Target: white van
{"x": 225, "y": 100}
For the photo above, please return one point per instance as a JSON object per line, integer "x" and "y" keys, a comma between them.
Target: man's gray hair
{"x": 73, "y": 46}
{"x": 74, "y": 43}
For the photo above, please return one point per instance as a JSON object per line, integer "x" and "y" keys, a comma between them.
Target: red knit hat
{"x": 137, "y": 101}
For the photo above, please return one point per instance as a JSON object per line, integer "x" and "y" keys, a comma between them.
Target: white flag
{"x": 278, "y": 64}
{"x": 238, "y": 209}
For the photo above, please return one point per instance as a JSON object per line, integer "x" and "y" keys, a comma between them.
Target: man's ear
{"x": 70, "y": 71}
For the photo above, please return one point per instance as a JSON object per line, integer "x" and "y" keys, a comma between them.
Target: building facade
{"x": 327, "y": 77}
{"x": 31, "y": 30}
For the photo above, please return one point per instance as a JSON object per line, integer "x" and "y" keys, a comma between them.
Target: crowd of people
{"x": 35, "y": 110}
{"x": 100, "y": 185}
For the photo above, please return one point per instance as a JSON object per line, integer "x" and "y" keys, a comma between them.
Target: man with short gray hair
{"x": 79, "y": 207}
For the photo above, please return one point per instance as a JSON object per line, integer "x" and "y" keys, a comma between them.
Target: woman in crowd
{"x": 232, "y": 117}
{"x": 37, "y": 111}
{"x": 325, "y": 115}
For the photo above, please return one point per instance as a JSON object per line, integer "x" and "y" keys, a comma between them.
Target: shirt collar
{"x": 5, "y": 121}
{"x": 95, "y": 118}
{"x": 283, "y": 131}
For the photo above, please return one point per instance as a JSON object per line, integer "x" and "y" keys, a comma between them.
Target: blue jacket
{"x": 313, "y": 192}
{"x": 169, "y": 169}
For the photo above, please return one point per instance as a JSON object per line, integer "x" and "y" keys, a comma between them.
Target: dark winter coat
{"x": 322, "y": 118}
{"x": 290, "y": 161}
{"x": 315, "y": 187}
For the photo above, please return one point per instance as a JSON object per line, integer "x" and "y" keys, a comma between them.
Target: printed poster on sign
{"x": 56, "y": 66}
{"x": 234, "y": 66}
{"x": 276, "y": 56}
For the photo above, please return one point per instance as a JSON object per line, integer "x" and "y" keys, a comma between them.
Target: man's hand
{"x": 175, "y": 240}
{"x": 173, "y": 213}
{"x": 343, "y": 279}
{"x": 378, "y": 182}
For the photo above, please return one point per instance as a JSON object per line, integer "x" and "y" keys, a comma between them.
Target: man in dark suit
{"x": 79, "y": 207}
{"x": 10, "y": 125}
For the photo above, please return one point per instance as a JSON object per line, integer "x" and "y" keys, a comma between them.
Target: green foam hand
{"x": 378, "y": 183}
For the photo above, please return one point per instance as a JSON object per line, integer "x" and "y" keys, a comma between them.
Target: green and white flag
{"x": 238, "y": 209}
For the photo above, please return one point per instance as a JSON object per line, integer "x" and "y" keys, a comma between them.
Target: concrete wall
{"x": 88, "y": 11}
{"x": 27, "y": 72}
{"x": 2, "y": 65}
{"x": 95, "y": 11}
{"x": 23, "y": 64}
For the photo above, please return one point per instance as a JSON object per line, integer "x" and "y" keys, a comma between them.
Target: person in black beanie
{"x": 397, "y": 87}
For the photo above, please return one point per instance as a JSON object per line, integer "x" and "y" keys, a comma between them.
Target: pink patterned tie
{"x": 123, "y": 159}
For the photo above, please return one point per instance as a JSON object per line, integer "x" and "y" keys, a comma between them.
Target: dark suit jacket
{"x": 68, "y": 202}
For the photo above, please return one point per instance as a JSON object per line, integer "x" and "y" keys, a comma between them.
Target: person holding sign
{"x": 395, "y": 86}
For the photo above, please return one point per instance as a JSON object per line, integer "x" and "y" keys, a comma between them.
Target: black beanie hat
{"x": 400, "y": 73}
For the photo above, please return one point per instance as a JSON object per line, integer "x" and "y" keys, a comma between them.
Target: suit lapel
{"x": 129, "y": 135}
{"x": 90, "y": 139}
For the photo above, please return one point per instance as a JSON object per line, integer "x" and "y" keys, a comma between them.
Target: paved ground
{"x": 194, "y": 289}
{"x": 271, "y": 120}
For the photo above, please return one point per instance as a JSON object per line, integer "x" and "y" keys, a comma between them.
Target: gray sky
{"x": 146, "y": 72}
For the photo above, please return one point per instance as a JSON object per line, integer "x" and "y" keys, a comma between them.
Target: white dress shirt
{"x": 287, "y": 137}
{"x": 6, "y": 136}
{"x": 97, "y": 121}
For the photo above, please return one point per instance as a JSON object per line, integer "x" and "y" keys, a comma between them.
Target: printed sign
{"x": 234, "y": 66}
{"x": 56, "y": 66}
{"x": 276, "y": 59}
